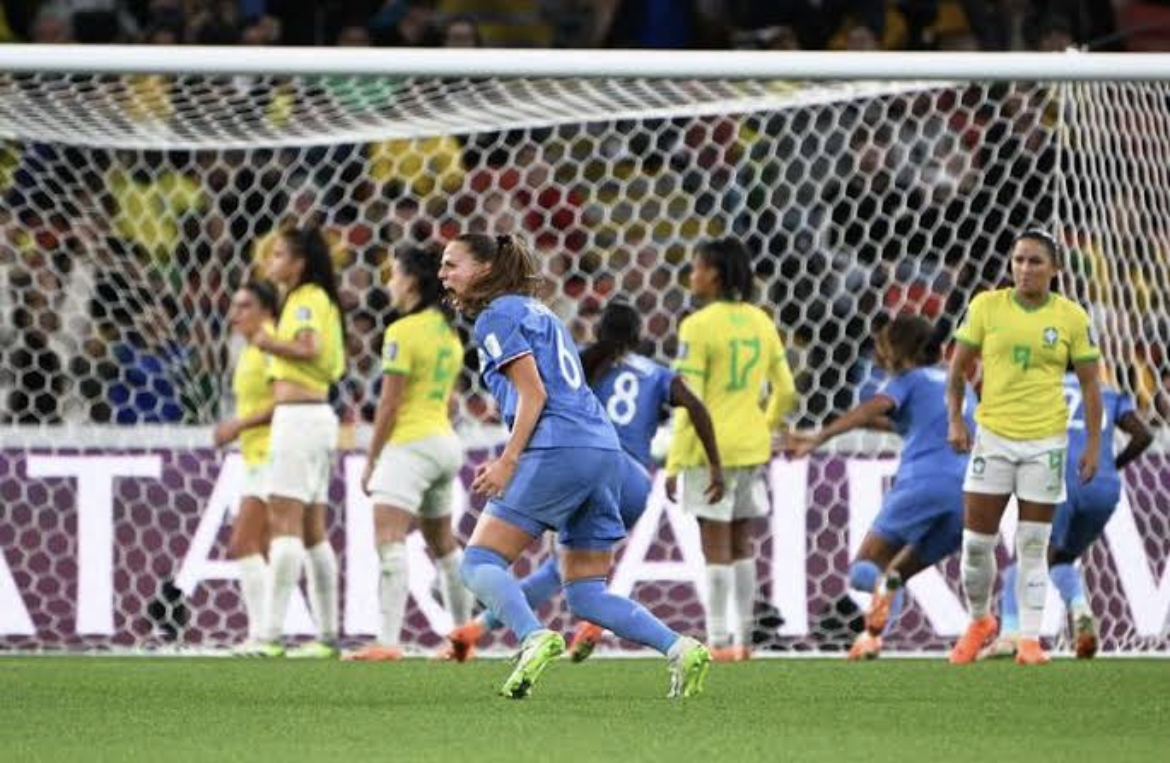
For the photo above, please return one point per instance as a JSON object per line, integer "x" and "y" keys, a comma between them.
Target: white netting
{"x": 132, "y": 206}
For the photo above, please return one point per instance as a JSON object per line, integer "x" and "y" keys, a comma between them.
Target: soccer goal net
{"x": 135, "y": 199}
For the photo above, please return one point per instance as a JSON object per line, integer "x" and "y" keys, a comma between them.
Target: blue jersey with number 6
{"x": 634, "y": 392}
{"x": 513, "y": 326}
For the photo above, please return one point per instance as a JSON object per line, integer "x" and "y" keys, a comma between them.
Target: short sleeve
{"x": 692, "y": 351}
{"x": 499, "y": 337}
{"x": 898, "y": 388}
{"x": 1083, "y": 347}
{"x": 396, "y": 355}
{"x": 970, "y": 332}
{"x": 302, "y": 313}
{"x": 663, "y": 379}
{"x": 1124, "y": 405}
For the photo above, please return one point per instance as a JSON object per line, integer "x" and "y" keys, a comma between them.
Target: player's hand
{"x": 260, "y": 340}
{"x": 492, "y": 478}
{"x": 367, "y": 472}
{"x": 226, "y": 432}
{"x": 800, "y": 445}
{"x": 1087, "y": 468}
{"x": 672, "y": 487}
{"x": 715, "y": 488}
{"x": 958, "y": 436}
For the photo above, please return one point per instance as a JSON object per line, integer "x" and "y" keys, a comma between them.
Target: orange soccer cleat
{"x": 375, "y": 653}
{"x": 866, "y": 647}
{"x": 463, "y": 640}
{"x": 731, "y": 654}
{"x": 1029, "y": 652}
{"x": 1085, "y": 630}
{"x": 978, "y": 634}
{"x": 585, "y": 640}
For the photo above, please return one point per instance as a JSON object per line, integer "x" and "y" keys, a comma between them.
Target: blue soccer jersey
{"x": 634, "y": 392}
{"x": 920, "y": 417}
{"x": 513, "y": 326}
{"x": 1114, "y": 405}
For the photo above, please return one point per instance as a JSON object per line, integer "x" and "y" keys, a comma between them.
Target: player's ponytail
{"x": 514, "y": 269}
{"x": 310, "y": 245}
{"x": 618, "y": 332}
{"x": 732, "y": 260}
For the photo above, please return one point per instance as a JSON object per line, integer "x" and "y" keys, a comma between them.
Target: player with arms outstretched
{"x": 415, "y": 456}
{"x": 921, "y": 519}
{"x": 559, "y": 470}
{"x": 1081, "y": 519}
{"x": 1027, "y": 336}
{"x": 727, "y": 351}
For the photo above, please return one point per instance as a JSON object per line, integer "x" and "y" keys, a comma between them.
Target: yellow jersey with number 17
{"x": 426, "y": 350}
{"x": 308, "y": 308}
{"x": 1025, "y": 353}
{"x": 727, "y": 351}
{"x": 252, "y": 386}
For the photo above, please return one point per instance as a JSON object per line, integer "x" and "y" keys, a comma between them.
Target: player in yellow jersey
{"x": 308, "y": 355}
{"x": 415, "y": 456}
{"x": 728, "y": 351}
{"x": 1027, "y": 336}
{"x": 254, "y": 307}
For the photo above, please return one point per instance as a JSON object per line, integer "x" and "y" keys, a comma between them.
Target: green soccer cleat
{"x": 688, "y": 669}
{"x": 536, "y": 653}
{"x": 269, "y": 649}
{"x": 314, "y": 650}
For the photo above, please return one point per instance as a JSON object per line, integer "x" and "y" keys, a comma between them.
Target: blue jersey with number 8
{"x": 513, "y": 326}
{"x": 634, "y": 392}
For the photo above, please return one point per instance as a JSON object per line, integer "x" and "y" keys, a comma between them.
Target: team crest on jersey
{"x": 1050, "y": 336}
{"x": 492, "y": 344}
{"x": 304, "y": 313}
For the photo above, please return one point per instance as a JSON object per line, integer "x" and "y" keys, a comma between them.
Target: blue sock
{"x": 1068, "y": 581}
{"x": 895, "y": 609}
{"x": 1009, "y": 610}
{"x": 539, "y": 586}
{"x": 589, "y": 600}
{"x": 863, "y": 575}
{"x": 486, "y": 574}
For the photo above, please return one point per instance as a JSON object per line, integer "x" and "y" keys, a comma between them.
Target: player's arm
{"x": 782, "y": 399}
{"x": 1140, "y": 438}
{"x": 305, "y": 345}
{"x": 961, "y": 363}
{"x": 491, "y": 479}
{"x": 385, "y": 417}
{"x": 1089, "y": 376}
{"x": 681, "y": 396}
{"x": 691, "y": 364}
{"x": 227, "y": 431}
{"x": 863, "y": 415}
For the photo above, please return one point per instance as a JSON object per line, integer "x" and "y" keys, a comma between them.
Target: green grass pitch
{"x": 154, "y": 709}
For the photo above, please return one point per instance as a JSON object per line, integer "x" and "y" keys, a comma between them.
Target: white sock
{"x": 979, "y": 570}
{"x": 744, "y": 571}
{"x": 1032, "y": 578}
{"x": 718, "y": 588}
{"x": 253, "y": 587}
{"x": 323, "y": 589}
{"x": 285, "y": 554}
{"x": 456, "y": 597}
{"x": 393, "y": 590}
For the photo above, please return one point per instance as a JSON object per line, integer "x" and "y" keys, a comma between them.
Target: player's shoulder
{"x": 1070, "y": 309}
{"x": 991, "y": 299}
{"x": 642, "y": 365}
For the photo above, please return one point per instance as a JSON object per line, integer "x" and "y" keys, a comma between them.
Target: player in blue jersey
{"x": 921, "y": 519}
{"x": 1081, "y": 519}
{"x": 559, "y": 470}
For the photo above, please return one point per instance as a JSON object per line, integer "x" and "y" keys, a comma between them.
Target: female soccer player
{"x": 415, "y": 456}
{"x": 921, "y": 519}
{"x": 560, "y": 469}
{"x": 308, "y": 354}
{"x": 634, "y": 391}
{"x": 1027, "y": 335}
{"x": 1081, "y": 519}
{"x": 254, "y": 308}
{"x": 727, "y": 351}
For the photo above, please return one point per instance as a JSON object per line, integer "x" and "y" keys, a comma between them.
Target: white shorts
{"x": 301, "y": 451}
{"x": 744, "y": 496}
{"x": 255, "y": 482}
{"x": 417, "y": 476}
{"x": 1031, "y": 469}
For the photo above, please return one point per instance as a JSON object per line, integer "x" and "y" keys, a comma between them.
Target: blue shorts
{"x": 926, "y": 514}
{"x": 636, "y": 484}
{"x": 1081, "y": 519}
{"x": 575, "y": 491}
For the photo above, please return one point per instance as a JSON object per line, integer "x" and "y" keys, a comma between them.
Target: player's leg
{"x": 1072, "y": 535}
{"x": 248, "y": 546}
{"x": 286, "y": 552}
{"x": 391, "y": 526}
{"x": 321, "y": 571}
{"x": 749, "y": 502}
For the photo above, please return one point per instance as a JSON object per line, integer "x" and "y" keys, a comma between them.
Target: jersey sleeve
{"x": 1122, "y": 406}
{"x": 499, "y": 336}
{"x": 971, "y": 331}
{"x": 396, "y": 351}
{"x": 1083, "y": 347}
{"x": 898, "y": 388}
{"x": 782, "y": 398}
{"x": 692, "y": 351}
{"x": 663, "y": 379}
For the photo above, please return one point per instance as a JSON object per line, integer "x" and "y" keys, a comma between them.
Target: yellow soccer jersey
{"x": 727, "y": 351}
{"x": 1025, "y": 353}
{"x": 425, "y": 349}
{"x": 252, "y": 387}
{"x": 308, "y": 308}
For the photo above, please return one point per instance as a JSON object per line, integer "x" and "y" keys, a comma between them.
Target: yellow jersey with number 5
{"x": 727, "y": 351}
{"x": 426, "y": 350}
{"x": 308, "y": 308}
{"x": 1025, "y": 354}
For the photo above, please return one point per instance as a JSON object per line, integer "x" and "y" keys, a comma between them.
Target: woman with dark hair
{"x": 728, "y": 351}
{"x": 415, "y": 456}
{"x": 921, "y": 519}
{"x": 559, "y": 470}
{"x": 254, "y": 308}
{"x": 308, "y": 355}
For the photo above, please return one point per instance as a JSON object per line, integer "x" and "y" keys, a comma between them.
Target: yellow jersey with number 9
{"x": 727, "y": 351}
{"x": 1025, "y": 354}
{"x": 252, "y": 386}
{"x": 426, "y": 350}
{"x": 308, "y": 308}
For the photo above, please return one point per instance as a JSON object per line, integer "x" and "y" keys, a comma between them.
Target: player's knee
{"x": 863, "y": 575}
{"x": 477, "y": 560}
